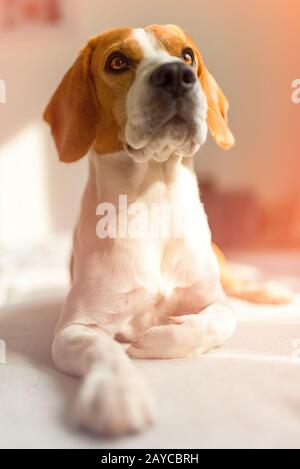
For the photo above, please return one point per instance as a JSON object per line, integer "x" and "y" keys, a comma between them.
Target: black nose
{"x": 175, "y": 77}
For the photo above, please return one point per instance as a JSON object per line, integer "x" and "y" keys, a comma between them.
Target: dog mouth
{"x": 171, "y": 133}
{"x": 174, "y": 120}
{"x": 177, "y": 120}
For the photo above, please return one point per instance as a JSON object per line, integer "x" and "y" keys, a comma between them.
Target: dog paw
{"x": 164, "y": 341}
{"x": 113, "y": 403}
{"x": 187, "y": 335}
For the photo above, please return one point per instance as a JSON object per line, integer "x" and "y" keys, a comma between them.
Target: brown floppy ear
{"x": 72, "y": 112}
{"x": 217, "y": 109}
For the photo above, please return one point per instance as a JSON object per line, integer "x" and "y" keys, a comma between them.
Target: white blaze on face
{"x": 149, "y": 44}
{"x": 148, "y": 133}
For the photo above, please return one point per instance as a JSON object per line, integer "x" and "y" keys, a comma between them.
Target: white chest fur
{"x": 126, "y": 273}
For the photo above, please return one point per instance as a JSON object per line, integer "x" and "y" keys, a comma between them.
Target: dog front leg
{"x": 112, "y": 399}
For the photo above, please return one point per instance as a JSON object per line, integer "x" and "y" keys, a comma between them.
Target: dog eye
{"x": 188, "y": 56}
{"x": 117, "y": 63}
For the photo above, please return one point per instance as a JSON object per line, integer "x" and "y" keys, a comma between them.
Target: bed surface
{"x": 245, "y": 394}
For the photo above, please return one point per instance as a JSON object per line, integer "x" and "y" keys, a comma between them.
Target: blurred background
{"x": 251, "y": 193}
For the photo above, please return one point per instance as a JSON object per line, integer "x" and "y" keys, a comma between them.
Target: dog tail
{"x": 260, "y": 292}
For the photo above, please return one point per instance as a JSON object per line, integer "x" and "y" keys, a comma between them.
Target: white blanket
{"x": 245, "y": 394}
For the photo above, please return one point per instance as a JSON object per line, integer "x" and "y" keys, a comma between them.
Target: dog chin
{"x": 177, "y": 137}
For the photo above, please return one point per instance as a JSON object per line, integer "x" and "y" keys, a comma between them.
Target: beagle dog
{"x": 139, "y": 102}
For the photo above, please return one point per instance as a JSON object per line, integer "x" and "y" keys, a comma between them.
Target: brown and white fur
{"x": 162, "y": 297}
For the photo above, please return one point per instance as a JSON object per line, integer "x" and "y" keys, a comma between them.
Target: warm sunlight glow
{"x": 23, "y": 188}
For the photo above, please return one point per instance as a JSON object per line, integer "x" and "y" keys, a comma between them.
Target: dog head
{"x": 143, "y": 90}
